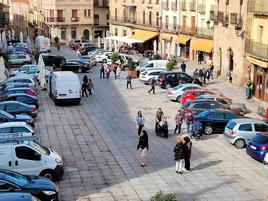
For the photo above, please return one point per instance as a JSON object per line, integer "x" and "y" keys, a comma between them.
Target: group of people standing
{"x": 87, "y": 86}
{"x": 182, "y": 149}
{"x": 204, "y": 74}
{"x": 106, "y": 70}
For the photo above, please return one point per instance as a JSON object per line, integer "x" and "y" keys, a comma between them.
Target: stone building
{"x": 230, "y": 21}
{"x": 257, "y": 47}
{"x": 4, "y": 16}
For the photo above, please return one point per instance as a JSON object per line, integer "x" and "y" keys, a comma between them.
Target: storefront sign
{"x": 257, "y": 62}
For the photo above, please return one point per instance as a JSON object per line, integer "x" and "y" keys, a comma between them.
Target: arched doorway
{"x": 231, "y": 59}
{"x": 86, "y": 34}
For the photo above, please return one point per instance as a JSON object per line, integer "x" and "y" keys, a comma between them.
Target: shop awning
{"x": 182, "y": 39}
{"x": 167, "y": 37}
{"x": 257, "y": 62}
{"x": 124, "y": 39}
{"x": 202, "y": 45}
{"x": 143, "y": 35}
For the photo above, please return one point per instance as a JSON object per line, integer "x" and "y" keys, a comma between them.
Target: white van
{"x": 64, "y": 86}
{"x": 22, "y": 154}
{"x": 152, "y": 64}
{"x": 42, "y": 43}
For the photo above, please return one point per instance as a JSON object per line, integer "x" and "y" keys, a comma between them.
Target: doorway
{"x": 86, "y": 34}
{"x": 220, "y": 53}
{"x": 259, "y": 86}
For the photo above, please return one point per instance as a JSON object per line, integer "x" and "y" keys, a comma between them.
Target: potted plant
{"x": 161, "y": 196}
{"x": 57, "y": 64}
{"x": 170, "y": 66}
{"x": 36, "y": 54}
{"x": 157, "y": 57}
{"x": 131, "y": 68}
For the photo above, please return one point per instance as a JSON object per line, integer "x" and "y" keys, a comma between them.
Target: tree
{"x": 114, "y": 57}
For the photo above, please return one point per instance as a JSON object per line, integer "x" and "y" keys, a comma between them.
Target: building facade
{"x": 230, "y": 21}
{"x": 257, "y": 47}
{"x": 68, "y": 19}
{"x": 4, "y": 16}
{"x": 101, "y": 19}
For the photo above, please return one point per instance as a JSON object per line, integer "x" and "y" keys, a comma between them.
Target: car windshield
{"x": 16, "y": 178}
{"x": 41, "y": 149}
{"x": 178, "y": 87}
{"x": 203, "y": 114}
{"x": 10, "y": 116}
{"x": 185, "y": 105}
{"x": 260, "y": 139}
{"x": 231, "y": 125}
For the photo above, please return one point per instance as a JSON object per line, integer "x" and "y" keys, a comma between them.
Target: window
{"x": 51, "y": 13}
{"x": 213, "y": 106}
{"x": 166, "y": 21}
{"x": 230, "y": 116}
{"x": 124, "y": 32}
{"x": 74, "y": 13}
{"x": 174, "y": 23}
{"x": 261, "y": 127}
{"x": 245, "y": 127}
{"x": 21, "y": 98}
{"x": 216, "y": 116}
{"x": 10, "y": 107}
{"x": 5, "y": 186}
{"x": 157, "y": 18}
{"x": 201, "y": 106}
{"x": 115, "y": 14}
{"x": 26, "y": 153}
{"x": 5, "y": 130}
{"x": 187, "y": 88}
{"x": 143, "y": 17}
{"x": 60, "y": 13}
{"x": 150, "y": 17}
{"x": 156, "y": 1}
{"x": 20, "y": 130}
{"x": 73, "y": 33}
{"x": 260, "y": 31}
{"x": 63, "y": 34}
{"x": 85, "y": 12}
{"x": 96, "y": 19}
{"x": 116, "y": 32}
{"x": 2, "y": 107}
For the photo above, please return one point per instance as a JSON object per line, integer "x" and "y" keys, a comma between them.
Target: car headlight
{"x": 49, "y": 192}
{"x": 59, "y": 161}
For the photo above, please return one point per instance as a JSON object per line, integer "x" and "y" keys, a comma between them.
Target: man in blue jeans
{"x": 129, "y": 81}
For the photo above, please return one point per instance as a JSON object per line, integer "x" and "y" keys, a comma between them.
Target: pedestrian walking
{"x": 179, "y": 154}
{"x": 108, "y": 71}
{"x": 140, "y": 122}
{"x": 211, "y": 71}
{"x": 115, "y": 69}
{"x": 200, "y": 74}
{"x": 183, "y": 67}
{"x": 143, "y": 147}
{"x": 249, "y": 87}
{"x": 189, "y": 120}
{"x": 118, "y": 72}
{"x": 84, "y": 86}
{"x": 195, "y": 74}
{"x": 158, "y": 117}
{"x": 90, "y": 86}
{"x": 58, "y": 47}
{"x": 178, "y": 121}
{"x": 204, "y": 75}
{"x": 102, "y": 70}
{"x": 129, "y": 81}
{"x": 152, "y": 83}
{"x": 188, "y": 153}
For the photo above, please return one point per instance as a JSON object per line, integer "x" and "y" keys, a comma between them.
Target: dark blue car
{"x": 40, "y": 187}
{"x": 214, "y": 121}
{"x": 6, "y": 117}
{"x": 258, "y": 146}
{"x": 17, "y": 197}
{"x": 24, "y": 98}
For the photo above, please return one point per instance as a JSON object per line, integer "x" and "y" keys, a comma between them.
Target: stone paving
{"x": 98, "y": 142}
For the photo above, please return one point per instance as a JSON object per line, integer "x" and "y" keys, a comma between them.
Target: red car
{"x": 192, "y": 94}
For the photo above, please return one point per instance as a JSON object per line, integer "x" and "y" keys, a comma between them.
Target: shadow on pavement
{"x": 206, "y": 165}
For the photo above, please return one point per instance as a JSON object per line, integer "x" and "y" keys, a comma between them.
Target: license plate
{"x": 253, "y": 147}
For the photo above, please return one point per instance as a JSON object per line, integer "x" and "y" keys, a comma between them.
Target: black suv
{"x": 172, "y": 79}
{"x": 50, "y": 60}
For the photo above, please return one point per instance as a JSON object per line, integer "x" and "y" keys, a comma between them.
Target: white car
{"x": 175, "y": 93}
{"x": 106, "y": 58}
{"x": 16, "y": 59}
{"x": 15, "y": 128}
{"x": 149, "y": 74}
{"x": 103, "y": 57}
{"x": 28, "y": 68}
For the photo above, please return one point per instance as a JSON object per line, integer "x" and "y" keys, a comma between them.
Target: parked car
{"x": 87, "y": 50}
{"x": 7, "y": 86}
{"x": 16, "y": 127}
{"x": 173, "y": 79}
{"x": 149, "y": 74}
{"x": 75, "y": 67}
{"x": 152, "y": 64}
{"x": 193, "y": 94}
{"x": 240, "y": 131}
{"x": 49, "y": 59}
{"x": 19, "y": 59}
{"x": 22, "y": 79}
{"x": 6, "y": 117}
{"x": 214, "y": 121}
{"x": 103, "y": 57}
{"x": 24, "y": 69}
{"x": 16, "y": 107}
{"x": 24, "y": 98}
{"x": 257, "y": 148}
{"x": 96, "y": 52}
{"x": 74, "y": 43}
{"x": 14, "y": 196}
{"x": 89, "y": 59}
{"x": 24, "y": 90}
{"x": 40, "y": 187}
{"x": 175, "y": 93}
{"x": 240, "y": 108}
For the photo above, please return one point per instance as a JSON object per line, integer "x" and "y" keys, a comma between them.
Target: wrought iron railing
{"x": 258, "y": 6}
{"x": 256, "y": 48}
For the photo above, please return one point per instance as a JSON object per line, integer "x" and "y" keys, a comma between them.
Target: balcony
{"x": 75, "y": 19}
{"x": 192, "y": 6}
{"x": 104, "y": 4}
{"x": 203, "y": 32}
{"x": 202, "y": 9}
{"x": 258, "y": 6}
{"x": 60, "y": 19}
{"x": 225, "y": 21}
{"x": 170, "y": 28}
{"x": 188, "y": 30}
{"x": 51, "y": 19}
{"x": 174, "y": 6}
{"x": 257, "y": 49}
{"x": 183, "y": 6}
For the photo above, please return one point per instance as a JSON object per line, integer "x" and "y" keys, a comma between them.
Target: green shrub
{"x": 114, "y": 57}
{"x": 170, "y": 66}
{"x": 161, "y": 196}
{"x": 157, "y": 57}
{"x": 36, "y": 54}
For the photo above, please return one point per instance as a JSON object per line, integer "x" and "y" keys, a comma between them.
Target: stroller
{"x": 162, "y": 129}
{"x": 197, "y": 130}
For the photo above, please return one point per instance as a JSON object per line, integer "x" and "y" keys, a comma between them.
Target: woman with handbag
{"x": 179, "y": 154}
{"x": 143, "y": 147}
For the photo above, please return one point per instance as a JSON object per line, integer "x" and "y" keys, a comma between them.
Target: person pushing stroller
{"x": 197, "y": 130}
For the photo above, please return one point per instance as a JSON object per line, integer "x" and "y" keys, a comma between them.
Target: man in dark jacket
{"x": 152, "y": 83}
{"x": 183, "y": 67}
{"x": 179, "y": 154}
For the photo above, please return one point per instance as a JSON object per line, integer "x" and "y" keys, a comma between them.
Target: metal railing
{"x": 258, "y": 49}
{"x": 136, "y": 21}
{"x": 172, "y": 28}
{"x": 258, "y": 6}
{"x": 75, "y": 19}
{"x": 188, "y": 30}
{"x": 203, "y": 32}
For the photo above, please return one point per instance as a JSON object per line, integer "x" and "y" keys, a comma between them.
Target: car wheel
{"x": 178, "y": 99}
{"x": 104, "y": 61}
{"x": 208, "y": 130}
{"x": 80, "y": 70}
{"x": 49, "y": 174}
{"x": 240, "y": 143}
